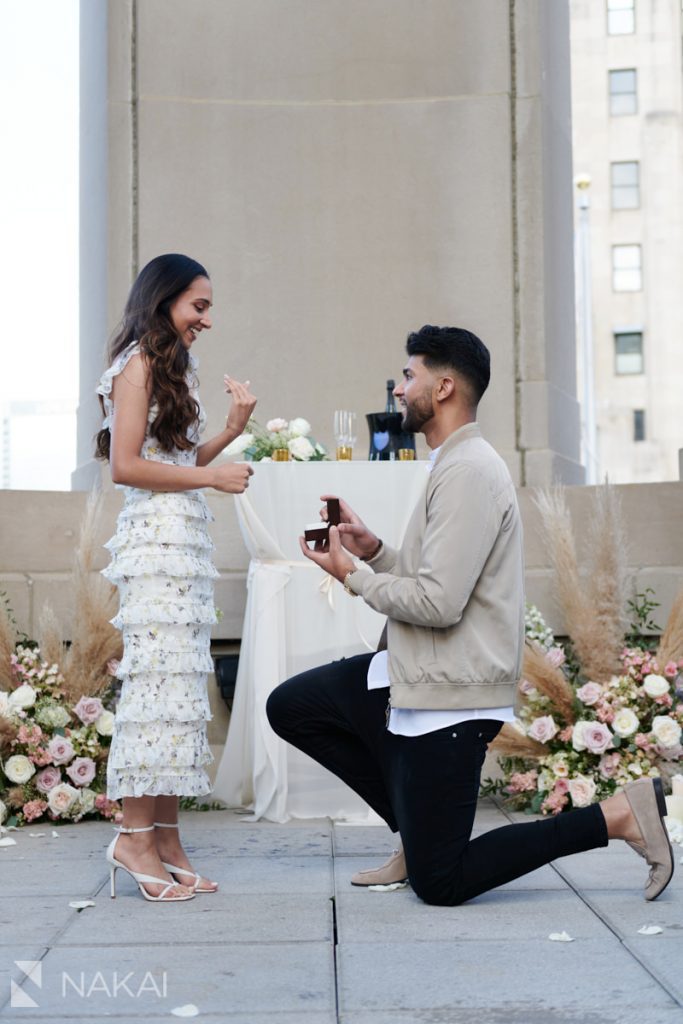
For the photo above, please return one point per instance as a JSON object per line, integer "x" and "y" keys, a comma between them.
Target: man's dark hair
{"x": 453, "y": 348}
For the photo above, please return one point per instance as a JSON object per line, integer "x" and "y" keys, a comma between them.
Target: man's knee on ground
{"x": 435, "y": 891}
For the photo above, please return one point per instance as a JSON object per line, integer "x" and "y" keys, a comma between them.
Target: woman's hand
{"x": 243, "y": 404}
{"x": 231, "y": 477}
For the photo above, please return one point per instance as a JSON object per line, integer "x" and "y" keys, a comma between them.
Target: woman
{"x": 162, "y": 567}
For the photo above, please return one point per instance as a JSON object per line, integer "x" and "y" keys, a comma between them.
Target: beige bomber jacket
{"x": 454, "y": 592}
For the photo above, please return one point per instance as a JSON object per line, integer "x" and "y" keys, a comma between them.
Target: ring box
{"x": 320, "y": 531}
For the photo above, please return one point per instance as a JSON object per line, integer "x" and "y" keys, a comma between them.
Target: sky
{"x": 39, "y": 230}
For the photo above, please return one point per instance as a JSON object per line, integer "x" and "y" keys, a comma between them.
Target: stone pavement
{"x": 287, "y": 939}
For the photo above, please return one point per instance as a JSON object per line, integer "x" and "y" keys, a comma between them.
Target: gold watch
{"x": 347, "y": 588}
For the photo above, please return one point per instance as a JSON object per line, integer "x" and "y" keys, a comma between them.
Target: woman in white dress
{"x": 162, "y": 566}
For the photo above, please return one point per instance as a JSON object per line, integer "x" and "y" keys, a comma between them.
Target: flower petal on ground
{"x": 650, "y": 929}
{"x": 188, "y": 1010}
{"x": 560, "y": 937}
{"x": 8, "y": 841}
{"x": 81, "y": 904}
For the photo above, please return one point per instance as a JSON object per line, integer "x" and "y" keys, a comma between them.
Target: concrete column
{"x": 93, "y": 230}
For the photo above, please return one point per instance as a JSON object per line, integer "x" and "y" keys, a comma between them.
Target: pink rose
{"x": 48, "y": 779}
{"x": 81, "y": 770}
{"x": 556, "y": 656}
{"x": 33, "y": 809}
{"x": 60, "y": 749}
{"x": 597, "y": 738}
{"x": 609, "y": 764}
{"x": 542, "y": 729}
{"x": 561, "y": 787}
{"x": 89, "y": 709}
{"x": 589, "y": 694}
{"x": 671, "y": 669}
{"x": 582, "y": 790}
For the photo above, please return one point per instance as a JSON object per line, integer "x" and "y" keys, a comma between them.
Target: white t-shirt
{"x": 415, "y": 721}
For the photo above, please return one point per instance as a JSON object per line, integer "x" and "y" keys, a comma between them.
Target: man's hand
{"x": 353, "y": 532}
{"x": 330, "y": 557}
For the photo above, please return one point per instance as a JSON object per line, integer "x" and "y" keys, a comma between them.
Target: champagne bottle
{"x": 391, "y": 401}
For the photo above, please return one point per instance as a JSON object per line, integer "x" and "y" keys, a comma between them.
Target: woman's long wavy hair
{"x": 147, "y": 319}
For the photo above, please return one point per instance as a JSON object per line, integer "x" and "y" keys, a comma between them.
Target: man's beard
{"x": 420, "y": 411}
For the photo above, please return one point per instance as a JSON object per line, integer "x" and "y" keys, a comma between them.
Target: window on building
{"x": 638, "y": 424}
{"x": 625, "y": 177}
{"x": 627, "y": 274}
{"x": 621, "y": 17}
{"x": 623, "y": 95}
{"x": 628, "y": 352}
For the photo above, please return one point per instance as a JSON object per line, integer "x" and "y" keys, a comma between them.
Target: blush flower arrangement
{"x": 605, "y": 707}
{"x": 258, "y": 443}
{"x": 53, "y": 753}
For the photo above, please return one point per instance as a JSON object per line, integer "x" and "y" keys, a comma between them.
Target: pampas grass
{"x": 50, "y": 637}
{"x": 8, "y": 641}
{"x": 671, "y": 643}
{"x": 538, "y": 670}
{"x": 594, "y": 609}
{"x": 511, "y": 743}
{"x": 94, "y": 641}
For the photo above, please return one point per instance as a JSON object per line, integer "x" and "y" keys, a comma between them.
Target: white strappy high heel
{"x": 173, "y": 870}
{"x": 141, "y": 878}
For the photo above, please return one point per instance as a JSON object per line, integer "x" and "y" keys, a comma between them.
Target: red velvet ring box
{"x": 319, "y": 531}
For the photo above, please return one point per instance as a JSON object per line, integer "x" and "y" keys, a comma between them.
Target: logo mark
{"x": 33, "y": 973}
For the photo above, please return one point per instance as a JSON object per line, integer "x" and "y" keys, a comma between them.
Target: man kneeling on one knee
{"x": 408, "y": 727}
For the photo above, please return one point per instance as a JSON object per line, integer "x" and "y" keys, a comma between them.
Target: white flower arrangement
{"x": 258, "y": 443}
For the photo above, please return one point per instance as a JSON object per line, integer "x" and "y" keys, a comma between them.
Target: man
{"x": 408, "y": 728}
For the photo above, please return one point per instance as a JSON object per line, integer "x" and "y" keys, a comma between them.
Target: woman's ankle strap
{"x": 165, "y": 824}
{"x": 127, "y": 831}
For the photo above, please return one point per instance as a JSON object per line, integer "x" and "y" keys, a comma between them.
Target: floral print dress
{"x": 161, "y": 564}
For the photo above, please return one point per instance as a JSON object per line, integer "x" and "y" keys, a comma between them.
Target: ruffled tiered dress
{"x": 161, "y": 564}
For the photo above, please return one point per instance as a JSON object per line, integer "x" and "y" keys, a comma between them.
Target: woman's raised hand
{"x": 243, "y": 404}
{"x": 231, "y": 477}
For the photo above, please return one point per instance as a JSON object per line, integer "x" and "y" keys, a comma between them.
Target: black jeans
{"x": 426, "y": 787}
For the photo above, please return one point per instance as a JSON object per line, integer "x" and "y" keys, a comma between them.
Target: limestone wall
{"x": 38, "y": 532}
{"x": 347, "y": 170}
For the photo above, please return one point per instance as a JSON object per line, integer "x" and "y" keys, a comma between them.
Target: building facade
{"x": 627, "y": 99}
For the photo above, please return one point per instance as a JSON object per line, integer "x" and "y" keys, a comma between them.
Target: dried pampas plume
{"x": 94, "y": 641}
{"x": 8, "y": 640}
{"x": 50, "y": 637}
{"x": 538, "y": 670}
{"x": 671, "y": 643}
{"x": 606, "y": 586}
{"x": 594, "y": 610}
{"x": 511, "y": 743}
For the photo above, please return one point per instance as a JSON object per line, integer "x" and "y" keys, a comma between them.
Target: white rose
{"x": 543, "y": 729}
{"x": 19, "y": 769}
{"x": 300, "y": 448}
{"x": 655, "y": 686}
{"x": 546, "y": 781}
{"x": 300, "y": 427}
{"x": 276, "y": 425}
{"x": 582, "y": 790}
{"x": 105, "y": 723}
{"x": 625, "y": 723}
{"x": 3, "y": 812}
{"x": 61, "y": 798}
{"x": 577, "y": 734}
{"x": 5, "y": 709}
{"x": 667, "y": 732}
{"x": 240, "y": 443}
{"x": 23, "y": 697}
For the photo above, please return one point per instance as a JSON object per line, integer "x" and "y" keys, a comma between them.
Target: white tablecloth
{"x": 296, "y": 618}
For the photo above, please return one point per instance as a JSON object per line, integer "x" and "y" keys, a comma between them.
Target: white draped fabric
{"x": 297, "y": 618}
